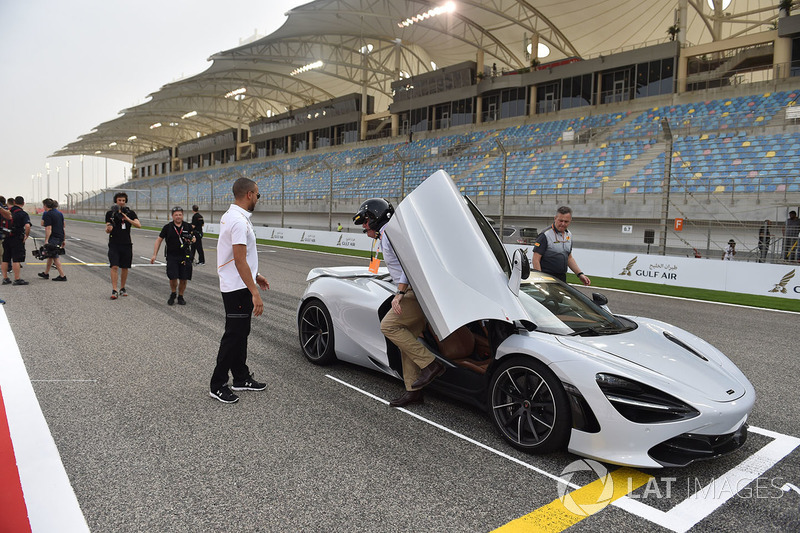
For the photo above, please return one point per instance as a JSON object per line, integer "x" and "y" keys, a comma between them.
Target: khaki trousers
{"x": 403, "y": 330}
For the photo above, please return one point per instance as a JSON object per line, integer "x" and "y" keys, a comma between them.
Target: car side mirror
{"x": 520, "y": 269}
{"x": 600, "y": 300}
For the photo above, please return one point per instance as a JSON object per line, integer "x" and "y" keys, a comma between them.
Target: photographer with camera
{"x": 197, "y": 227}
{"x": 179, "y": 237}
{"x": 54, "y": 235}
{"x": 14, "y": 242}
{"x": 120, "y": 247}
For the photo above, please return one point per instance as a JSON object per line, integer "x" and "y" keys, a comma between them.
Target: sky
{"x": 70, "y": 65}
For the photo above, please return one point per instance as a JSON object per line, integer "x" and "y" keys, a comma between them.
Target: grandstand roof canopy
{"x": 367, "y": 42}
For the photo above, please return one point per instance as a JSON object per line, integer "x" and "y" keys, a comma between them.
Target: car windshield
{"x": 560, "y": 309}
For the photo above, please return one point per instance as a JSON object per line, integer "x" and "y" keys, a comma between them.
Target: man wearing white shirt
{"x": 239, "y": 281}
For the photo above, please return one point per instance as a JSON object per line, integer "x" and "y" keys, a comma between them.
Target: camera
{"x": 117, "y": 212}
{"x": 48, "y": 251}
{"x": 186, "y": 246}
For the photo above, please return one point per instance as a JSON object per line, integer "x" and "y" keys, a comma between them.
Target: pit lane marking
{"x": 699, "y": 505}
{"x": 460, "y": 436}
{"x": 684, "y": 515}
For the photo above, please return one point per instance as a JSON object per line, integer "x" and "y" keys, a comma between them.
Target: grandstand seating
{"x": 727, "y": 152}
{"x": 725, "y": 162}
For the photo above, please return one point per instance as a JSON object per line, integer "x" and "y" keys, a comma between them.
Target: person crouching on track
{"x": 54, "y": 235}
{"x": 179, "y": 237}
{"x": 405, "y": 321}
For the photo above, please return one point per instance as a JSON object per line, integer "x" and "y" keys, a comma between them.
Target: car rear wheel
{"x": 529, "y": 406}
{"x": 316, "y": 332}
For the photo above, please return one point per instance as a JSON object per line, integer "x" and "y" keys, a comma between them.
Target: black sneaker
{"x": 6, "y": 281}
{"x": 114, "y": 295}
{"x": 181, "y": 301}
{"x": 20, "y": 281}
{"x": 171, "y": 300}
{"x": 43, "y": 275}
{"x": 122, "y": 291}
{"x": 63, "y": 278}
{"x": 248, "y": 384}
{"x": 224, "y": 395}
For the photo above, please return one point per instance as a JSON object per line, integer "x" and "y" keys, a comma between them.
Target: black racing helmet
{"x": 376, "y": 212}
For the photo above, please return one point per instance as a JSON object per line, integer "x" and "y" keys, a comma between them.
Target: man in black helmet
{"x": 405, "y": 321}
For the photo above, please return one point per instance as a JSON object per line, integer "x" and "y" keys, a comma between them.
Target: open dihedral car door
{"x": 454, "y": 261}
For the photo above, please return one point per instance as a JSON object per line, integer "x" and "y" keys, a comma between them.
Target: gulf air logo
{"x": 781, "y": 285}
{"x": 627, "y": 270}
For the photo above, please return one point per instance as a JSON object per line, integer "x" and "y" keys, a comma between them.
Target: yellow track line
{"x": 581, "y": 503}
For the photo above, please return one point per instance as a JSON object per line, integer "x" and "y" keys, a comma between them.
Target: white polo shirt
{"x": 235, "y": 228}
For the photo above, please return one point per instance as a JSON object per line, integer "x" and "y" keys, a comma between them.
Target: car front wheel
{"x": 316, "y": 332}
{"x": 529, "y": 406}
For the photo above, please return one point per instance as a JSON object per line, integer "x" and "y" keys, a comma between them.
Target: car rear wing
{"x": 346, "y": 272}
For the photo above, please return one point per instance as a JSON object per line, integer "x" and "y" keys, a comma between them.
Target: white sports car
{"x": 553, "y": 368}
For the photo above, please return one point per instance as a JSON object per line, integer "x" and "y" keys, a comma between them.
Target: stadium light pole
{"x": 58, "y": 182}
{"x": 667, "y": 182}
{"x": 502, "y": 189}
{"x": 402, "y": 176}
{"x": 33, "y": 187}
{"x": 83, "y": 188}
{"x": 69, "y": 198}
{"x": 330, "y": 195}
{"x": 283, "y": 191}
{"x": 47, "y": 166}
{"x": 211, "y": 182}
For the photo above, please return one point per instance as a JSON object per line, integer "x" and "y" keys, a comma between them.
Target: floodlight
{"x": 541, "y": 51}
{"x": 305, "y": 68}
{"x": 449, "y": 7}
{"x": 235, "y": 92}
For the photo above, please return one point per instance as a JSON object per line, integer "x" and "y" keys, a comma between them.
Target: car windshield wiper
{"x": 595, "y": 332}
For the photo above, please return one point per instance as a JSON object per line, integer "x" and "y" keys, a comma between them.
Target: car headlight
{"x": 641, "y": 403}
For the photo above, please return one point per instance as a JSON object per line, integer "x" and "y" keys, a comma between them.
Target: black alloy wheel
{"x": 316, "y": 332}
{"x": 529, "y": 406}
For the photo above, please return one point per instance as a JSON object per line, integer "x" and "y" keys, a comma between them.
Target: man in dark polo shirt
{"x": 53, "y": 222}
{"x": 552, "y": 251}
{"x": 197, "y": 227}
{"x": 14, "y": 243}
{"x": 120, "y": 247}
{"x": 179, "y": 237}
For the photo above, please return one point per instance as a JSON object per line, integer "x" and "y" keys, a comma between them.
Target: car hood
{"x": 447, "y": 257}
{"x": 673, "y": 353}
